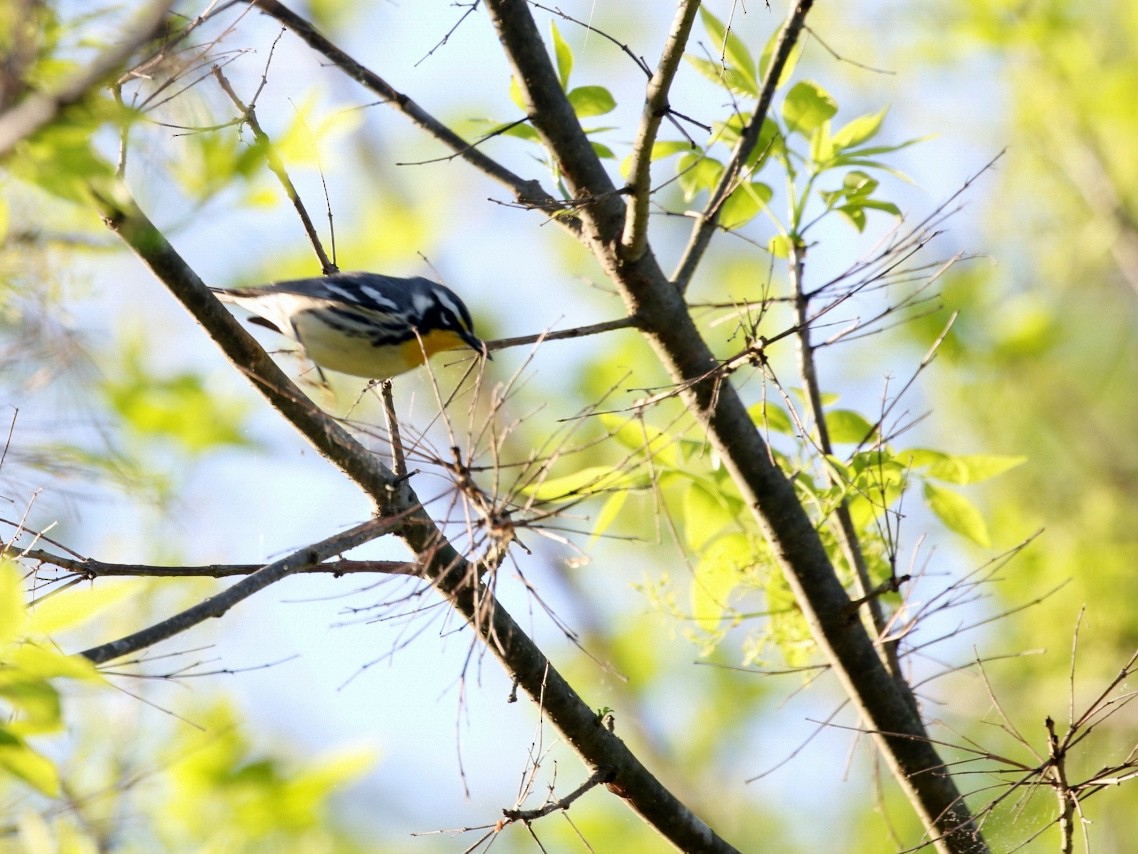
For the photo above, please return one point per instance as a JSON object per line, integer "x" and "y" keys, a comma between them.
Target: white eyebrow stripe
{"x": 449, "y": 305}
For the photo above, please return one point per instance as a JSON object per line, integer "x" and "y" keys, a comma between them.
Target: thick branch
{"x": 453, "y": 576}
{"x": 634, "y": 241}
{"x": 714, "y": 402}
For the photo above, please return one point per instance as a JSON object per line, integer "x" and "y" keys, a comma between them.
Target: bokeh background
{"x": 132, "y": 439}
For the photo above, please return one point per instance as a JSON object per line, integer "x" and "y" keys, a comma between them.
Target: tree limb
{"x": 456, "y": 579}
{"x": 634, "y": 241}
{"x": 666, "y": 322}
{"x": 707, "y": 220}
{"x": 216, "y": 606}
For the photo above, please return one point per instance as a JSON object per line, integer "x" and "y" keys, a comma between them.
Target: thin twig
{"x": 89, "y": 568}
{"x": 249, "y": 114}
{"x": 399, "y": 460}
{"x": 526, "y": 192}
{"x": 216, "y": 606}
{"x": 708, "y": 219}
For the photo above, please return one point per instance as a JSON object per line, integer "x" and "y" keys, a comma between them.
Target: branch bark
{"x": 455, "y": 578}
{"x": 663, "y": 317}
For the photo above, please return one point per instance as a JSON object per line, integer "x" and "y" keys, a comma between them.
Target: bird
{"x": 363, "y": 324}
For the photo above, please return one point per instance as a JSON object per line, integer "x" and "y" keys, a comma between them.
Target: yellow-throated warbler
{"x": 362, "y": 324}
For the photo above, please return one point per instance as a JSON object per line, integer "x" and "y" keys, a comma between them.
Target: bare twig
{"x": 706, "y": 221}
{"x": 88, "y": 568}
{"x": 217, "y": 605}
{"x": 249, "y": 115}
{"x": 527, "y": 192}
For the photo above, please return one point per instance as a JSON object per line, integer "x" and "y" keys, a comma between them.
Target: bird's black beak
{"x": 476, "y": 343}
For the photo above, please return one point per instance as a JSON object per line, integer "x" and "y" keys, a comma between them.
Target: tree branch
{"x": 665, "y": 320}
{"x": 455, "y": 578}
{"x": 216, "y": 606}
{"x": 526, "y": 192}
{"x": 249, "y": 117}
{"x": 91, "y": 569}
{"x": 708, "y": 219}
{"x": 634, "y": 241}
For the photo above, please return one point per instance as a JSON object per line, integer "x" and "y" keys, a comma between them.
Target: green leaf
{"x": 517, "y": 95}
{"x": 584, "y": 483}
{"x": 957, "y": 513}
{"x": 42, "y": 662}
{"x": 591, "y": 101}
{"x": 718, "y": 573}
{"x": 660, "y": 150}
{"x": 22, "y": 762}
{"x": 523, "y": 131}
{"x": 862, "y": 129}
{"x": 779, "y": 246}
{"x": 667, "y": 147}
{"x": 697, "y": 172}
{"x": 72, "y": 608}
{"x": 12, "y": 612}
{"x": 960, "y": 468}
{"x": 35, "y": 704}
{"x": 806, "y": 107}
{"x": 704, "y": 516}
{"x": 724, "y": 76}
{"x": 767, "y": 58}
{"x": 602, "y": 151}
{"x": 845, "y": 425}
{"x": 564, "y": 56}
{"x": 609, "y": 512}
{"x": 734, "y": 52}
{"x": 744, "y": 204}
{"x": 770, "y": 416}
{"x": 647, "y": 441}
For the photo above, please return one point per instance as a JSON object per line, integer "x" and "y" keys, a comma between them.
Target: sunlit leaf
{"x": 725, "y": 76}
{"x": 72, "y": 608}
{"x": 767, "y": 57}
{"x": 24, "y": 763}
{"x": 697, "y": 172}
{"x": 584, "y": 482}
{"x": 12, "y": 611}
{"x": 960, "y": 468}
{"x": 564, "y": 55}
{"x": 719, "y": 571}
{"x": 862, "y": 129}
{"x": 591, "y": 101}
{"x": 807, "y": 105}
{"x": 704, "y": 516}
{"x": 734, "y": 53}
{"x": 744, "y": 203}
{"x": 957, "y": 513}
{"x": 846, "y": 425}
{"x": 610, "y": 510}
{"x": 770, "y": 416}
{"x": 638, "y": 435}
